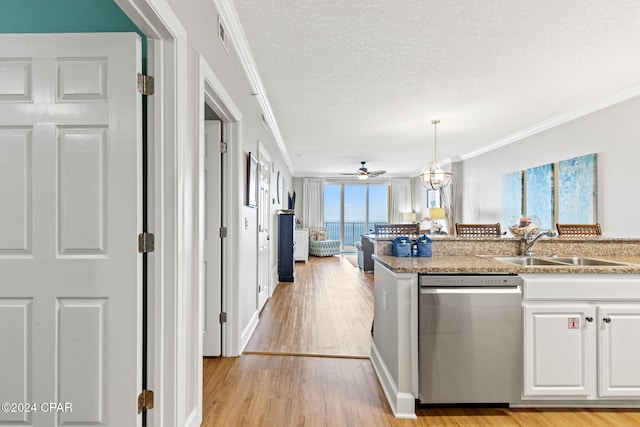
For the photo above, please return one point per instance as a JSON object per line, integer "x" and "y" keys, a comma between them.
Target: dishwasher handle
{"x": 472, "y": 290}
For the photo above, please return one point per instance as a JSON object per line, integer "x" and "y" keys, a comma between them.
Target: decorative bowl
{"x": 522, "y": 224}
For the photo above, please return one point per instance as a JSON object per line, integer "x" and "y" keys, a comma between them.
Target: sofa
{"x": 320, "y": 245}
{"x": 365, "y": 250}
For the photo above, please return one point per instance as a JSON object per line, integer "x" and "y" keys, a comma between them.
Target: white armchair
{"x": 319, "y": 245}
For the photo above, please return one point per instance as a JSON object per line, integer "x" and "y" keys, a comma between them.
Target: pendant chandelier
{"x": 433, "y": 176}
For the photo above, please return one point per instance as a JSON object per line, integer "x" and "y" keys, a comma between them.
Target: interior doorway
{"x": 213, "y": 97}
{"x": 212, "y": 233}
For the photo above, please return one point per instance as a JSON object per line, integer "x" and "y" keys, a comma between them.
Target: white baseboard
{"x": 248, "y": 331}
{"x": 403, "y": 405}
{"x": 274, "y": 279}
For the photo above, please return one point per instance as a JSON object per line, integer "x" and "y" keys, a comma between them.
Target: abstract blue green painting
{"x": 512, "y": 193}
{"x": 577, "y": 190}
{"x": 540, "y": 194}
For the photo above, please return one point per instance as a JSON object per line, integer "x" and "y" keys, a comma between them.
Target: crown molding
{"x": 555, "y": 121}
{"x": 236, "y": 33}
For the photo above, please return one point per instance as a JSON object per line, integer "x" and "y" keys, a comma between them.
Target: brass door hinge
{"x": 223, "y": 147}
{"x": 146, "y": 242}
{"x": 223, "y": 317}
{"x": 145, "y": 401}
{"x": 223, "y": 232}
{"x": 145, "y": 84}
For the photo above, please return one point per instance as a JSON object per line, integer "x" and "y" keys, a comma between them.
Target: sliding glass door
{"x": 355, "y": 215}
{"x": 378, "y": 205}
{"x": 352, "y": 209}
{"x": 333, "y": 210}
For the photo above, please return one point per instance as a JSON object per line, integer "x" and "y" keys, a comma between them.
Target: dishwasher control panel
{"x": 467, "y": 281}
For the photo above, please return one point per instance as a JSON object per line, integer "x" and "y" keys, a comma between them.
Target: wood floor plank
{"x": 261, "y": 390}
{"x": 328, "y": 310}
{"x": 287, "y": 386}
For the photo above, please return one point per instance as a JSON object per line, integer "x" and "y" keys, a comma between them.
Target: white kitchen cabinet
{"x": 560, "y": 350}
{"x": 302, "y": 245}
{"x": 581, "y": 337}
{"x": 619, "y": 350}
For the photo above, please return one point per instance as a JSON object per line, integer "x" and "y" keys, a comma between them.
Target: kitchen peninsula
{"x": 601, "y": 302}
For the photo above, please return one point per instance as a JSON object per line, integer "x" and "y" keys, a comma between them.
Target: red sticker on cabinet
{"x": 574, "y": 323}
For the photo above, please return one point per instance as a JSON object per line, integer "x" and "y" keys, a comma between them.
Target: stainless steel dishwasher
{"x": 470, "y": 339}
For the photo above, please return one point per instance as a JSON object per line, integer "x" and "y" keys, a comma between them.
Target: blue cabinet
{"x": 286, "y": 247}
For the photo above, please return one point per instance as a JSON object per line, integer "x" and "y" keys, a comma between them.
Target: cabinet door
{"x": 559, "y": 349}
{"x": 619, "y": 346}
{"x": 302, "y": 244}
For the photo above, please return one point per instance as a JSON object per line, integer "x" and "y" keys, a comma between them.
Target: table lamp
{"x": 434, "y": 215}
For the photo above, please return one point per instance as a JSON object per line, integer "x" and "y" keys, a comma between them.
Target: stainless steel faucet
{"x": 530, "y": 239}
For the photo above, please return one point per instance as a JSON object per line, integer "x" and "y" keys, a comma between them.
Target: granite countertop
{"x": 508, "y": 237}
{"x": 484, "y": 264}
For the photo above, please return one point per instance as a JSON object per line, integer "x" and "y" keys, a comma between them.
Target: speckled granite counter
{"x": 468, "y": 254}
{"x": 482, "y": 264}
{"x": 509, "y": 246}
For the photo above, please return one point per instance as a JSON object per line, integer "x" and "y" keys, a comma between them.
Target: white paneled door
{"x": 212, "y": 334}
{"x": 70, "y": 213}
{"x": 264, "y": 221}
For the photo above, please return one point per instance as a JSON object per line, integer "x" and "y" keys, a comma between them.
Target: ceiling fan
{"x": 364, "y": 173}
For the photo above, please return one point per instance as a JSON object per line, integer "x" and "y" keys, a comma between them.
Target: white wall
{"x": 418, "y": 198}
{"x": 297, "y": 186}
{"x": 613, "y": 133}
{"x": 200, "y": 19}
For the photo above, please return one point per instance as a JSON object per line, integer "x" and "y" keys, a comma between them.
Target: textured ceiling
{"x": 362, "y": 79}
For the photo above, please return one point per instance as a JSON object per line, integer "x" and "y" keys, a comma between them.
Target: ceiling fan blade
{"x": 364, "y": 173}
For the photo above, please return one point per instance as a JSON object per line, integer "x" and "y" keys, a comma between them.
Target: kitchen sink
{"x": 526, "y": 260}
{"x": 585, "y": 261}
{"x": 557, "y": 261}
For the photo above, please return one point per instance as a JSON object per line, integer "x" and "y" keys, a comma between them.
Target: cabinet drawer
{"x": 582, "y": 287}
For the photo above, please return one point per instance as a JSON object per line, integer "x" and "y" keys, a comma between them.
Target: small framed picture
{"x": 252, "y": 183}
{"x": 433, "y": 198}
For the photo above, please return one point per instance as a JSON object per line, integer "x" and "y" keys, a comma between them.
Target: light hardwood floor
{"x": 307, "y": 365}
{"x": 327, "y": 311}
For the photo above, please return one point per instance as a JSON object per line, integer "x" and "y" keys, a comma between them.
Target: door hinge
{"x": 145, "y": 84}
{"x": 223, "y": 147}
{"x": 223, "y": 232}
{"x": 145, "y": 401}
{"x": 223, "y": 317}
{"x": 146, "y": 242}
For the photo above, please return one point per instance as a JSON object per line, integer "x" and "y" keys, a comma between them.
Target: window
{"x": 352, "y": 209}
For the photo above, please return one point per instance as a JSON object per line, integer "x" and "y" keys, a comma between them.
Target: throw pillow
{"x": 322, "y": 235}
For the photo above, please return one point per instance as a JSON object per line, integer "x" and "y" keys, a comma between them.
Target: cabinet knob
{"x": 589, "y": 319}
{"x": 606, "y": 320}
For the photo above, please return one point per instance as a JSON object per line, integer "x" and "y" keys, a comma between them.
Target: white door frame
{"x": 171, "y": 169}
{"x": 168, "y": 171}
{"x": 211, "y": 193}
{"x": 212, "y": 92}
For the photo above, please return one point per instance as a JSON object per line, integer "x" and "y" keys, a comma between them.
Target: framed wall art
{"x": 577, "y": 190}
{"x": 560, "y": 192}
{"x": 512, "y": 195}
{"x": 539, "y": 194}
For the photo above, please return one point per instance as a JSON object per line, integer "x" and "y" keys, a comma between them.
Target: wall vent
{"x": 222, "y": 33}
